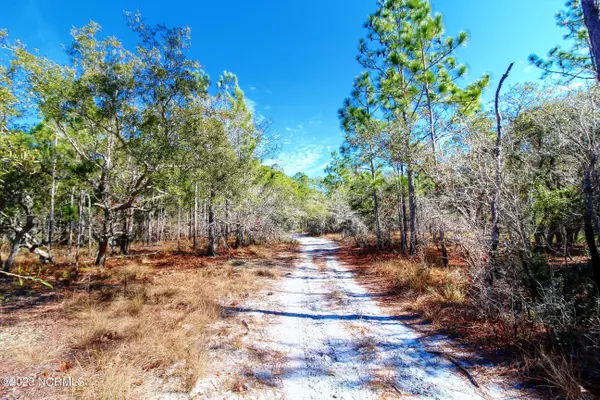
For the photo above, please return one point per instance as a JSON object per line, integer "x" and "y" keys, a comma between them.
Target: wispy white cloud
{"x": 305, "y": 159}
{"x": 315, "y": 120}
{"x": 573, "y": 85}
{"x": 252, "y": 88}
{"x": 316, "y": 170}
{"x": 267, "y": 107}
{"x": 296, "y": 129}
{"x": 528, "y": 69}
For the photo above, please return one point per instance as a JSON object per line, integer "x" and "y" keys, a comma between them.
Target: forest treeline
{"x": 126, "y": 145}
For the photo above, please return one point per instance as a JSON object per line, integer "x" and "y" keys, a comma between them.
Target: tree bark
{"x": 89, "y": 226}
{"x": 52, "y": 195}
{"x": 375, "y": 204}
{"x": 80, "y": 206}
{"x": 70, "y": 236}
{"x": 195, "y": 218}
{"x": 211, "y": 225}
{"x": 591, "y": 16}
{"x": 226, "y": 222}
{"x": 412, "y": 208}
{"x": 498, "y": 179}
{"x": 105, "y": 234}
{"x": 127, "y": 234}
{"x": 24, "y": 238}
{"x": 178, "y": 226}
{"x": 399, "y": 204}
{"x": 404, "y": 235}
{"x": 588, "y": 227}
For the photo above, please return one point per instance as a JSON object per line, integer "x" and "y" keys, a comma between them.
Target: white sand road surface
{"x": 319, "y": 335}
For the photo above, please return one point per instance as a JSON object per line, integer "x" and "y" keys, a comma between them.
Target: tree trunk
{"x": 105, "y": 234}
{"x": 239, "y": 237}
{"x": 80, "y": 206}
{"x": 591, "y": 16}
{"x": 195, "y": 217}
{"x": 189, "y": 223}
{"x": 70, "y": 238}
{"x": 404, "y": 235}
{"x": 89, "y": 226}
{"x": 102, "y": 247}
{"x": 226, "y": 221}
{"x": 399, "y": 201}
{"x": 495, "y": 240}
{"x": 412, "y": 208}
{"x": 161, "y": 224}
{"x": 16, "y": 245}
{"x": 432, "y": 135}
{"x": 150, "y": 228}
{"x": 588, "y": 227}
{"x": 178, "y": 226}
{"x": 127, "y": 235}
{"x": 211, "y": 225}
{"x": 52, "y": 195}
{"x": 375, "y": 202}
{"x": 24, "y": 239}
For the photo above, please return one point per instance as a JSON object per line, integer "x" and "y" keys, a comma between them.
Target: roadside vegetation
{"x": 484, "y": 215}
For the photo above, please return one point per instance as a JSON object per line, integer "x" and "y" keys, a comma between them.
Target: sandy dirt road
{"x": 323, "y": 336}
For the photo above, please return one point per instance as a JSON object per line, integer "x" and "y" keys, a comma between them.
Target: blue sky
{"x": 295, "y": 60}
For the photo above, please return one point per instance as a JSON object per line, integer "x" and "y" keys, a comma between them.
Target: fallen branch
{"x": 29, "y": 278}
{"x": 458, "y": 365}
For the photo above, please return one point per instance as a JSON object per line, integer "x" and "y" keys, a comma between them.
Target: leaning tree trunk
{"x": 495, "y": 240}
{"x": 16, "y": 243}
{"x": 24, "y": 237}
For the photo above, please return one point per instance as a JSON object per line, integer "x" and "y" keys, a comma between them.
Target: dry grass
{"x": 559, "y": 373}
{"x": 266, "y": 272}
{"x": 140, "y": 321}
{"x": 158, "y": 328}
{"x": 431, "y": 281}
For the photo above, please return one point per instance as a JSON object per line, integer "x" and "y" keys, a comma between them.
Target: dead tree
{"x": 498, "y": 170}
